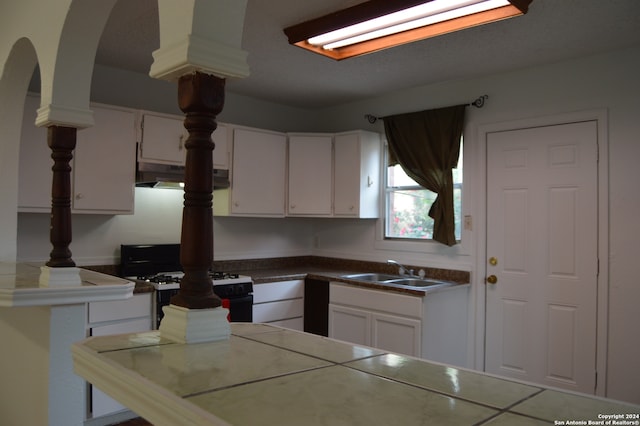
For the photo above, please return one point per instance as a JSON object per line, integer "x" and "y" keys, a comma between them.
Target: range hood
{"x": 153, "y": 175}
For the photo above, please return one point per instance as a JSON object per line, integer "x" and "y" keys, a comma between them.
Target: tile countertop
{"x": 265, "y": 375}
{"x": 324, "y": 274}
{"x": 20, "y": 286}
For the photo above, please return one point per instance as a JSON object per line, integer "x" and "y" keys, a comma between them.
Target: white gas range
{"x": 159, "y": 265}
{"x": 171, "y": 280}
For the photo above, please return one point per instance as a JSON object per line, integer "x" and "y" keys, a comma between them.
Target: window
{"x": 408, "y": 204}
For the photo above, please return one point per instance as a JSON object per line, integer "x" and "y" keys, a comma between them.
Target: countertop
{"x": 299, "y": 267}
{"x": 20, "y": 286}
{"x": 265, "y": 375}
{"x": 262, "y": 276}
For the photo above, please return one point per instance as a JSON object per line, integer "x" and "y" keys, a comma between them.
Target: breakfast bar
{"x": 267, "y": 375}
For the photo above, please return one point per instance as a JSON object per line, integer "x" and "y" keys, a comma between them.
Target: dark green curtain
{"x": 426, "y": 144}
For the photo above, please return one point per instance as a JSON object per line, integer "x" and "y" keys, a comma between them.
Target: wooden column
{"x": 62, "y": 141}
{"x": 201, "y": 98}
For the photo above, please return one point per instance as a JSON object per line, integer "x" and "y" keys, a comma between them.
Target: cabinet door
{"x": 357, "y": 174}
{"x": 350, "y": 325}
{"x": 310, "y": 175}
{"x": 34, "y": 170}
{"x": 221, "y": 153}
{"x": 396, "y": 334}
{"x": 105, "y": 161}
{"x": 347, "y": 175}
{"x": 258, "y": 177}
{"x": 278, "y": 310}
{"x": 163, "y": 139}
{"x": 280, "y": 290}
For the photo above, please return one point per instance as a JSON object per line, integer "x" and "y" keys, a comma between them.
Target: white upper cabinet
{"x": 35, "y": 175}
{"x": 103, "y": 167}
{"x": 357, "y": 174}
{"x": 258, "y": 175}
{"x": 222, "y": 151}
{"x": 164, "y": 136}
{"x": 334, "y": 174}
{"x": 310, "y": 175}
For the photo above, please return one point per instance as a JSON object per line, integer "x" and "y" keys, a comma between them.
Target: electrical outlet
{"x": 468, "y": 223}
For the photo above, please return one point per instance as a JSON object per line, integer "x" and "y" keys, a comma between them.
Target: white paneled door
{"x": 542, "y": 255}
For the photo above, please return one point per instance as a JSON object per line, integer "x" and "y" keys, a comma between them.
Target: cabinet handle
{"x": 79, "y": 196}
{"x": 181, "y": 143}
{"x": 293, "y": 206}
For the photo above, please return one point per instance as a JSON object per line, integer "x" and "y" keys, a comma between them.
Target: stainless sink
{"x": 374, "y": 277}
{"x": 418, "y": 282}
{"x": 398, "y": 280}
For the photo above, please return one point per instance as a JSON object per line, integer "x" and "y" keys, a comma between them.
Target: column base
{"x": 60, "y": 277}
{"x": 184, "y": 325}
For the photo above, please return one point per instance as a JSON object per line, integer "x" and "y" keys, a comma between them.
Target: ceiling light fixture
{"x": 380, "y": 24}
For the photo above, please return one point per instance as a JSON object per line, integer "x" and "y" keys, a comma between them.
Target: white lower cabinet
{"x": 434, "y": 326}
{"x": 131, "y": 315}
{"x": 380, "y": 319}
{"x": 396, "y": 333}
{"x": 279, "y": 303}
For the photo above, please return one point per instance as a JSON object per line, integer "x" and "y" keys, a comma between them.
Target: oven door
{"x": 241, "y": 308}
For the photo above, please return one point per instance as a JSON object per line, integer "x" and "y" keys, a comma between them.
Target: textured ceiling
{"x": 552, "y": 30}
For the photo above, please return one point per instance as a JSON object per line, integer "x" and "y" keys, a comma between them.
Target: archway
{"x": 14, "y": 81}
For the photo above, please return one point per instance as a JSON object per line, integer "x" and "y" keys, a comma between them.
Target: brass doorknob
{"x": 492, "y": 279}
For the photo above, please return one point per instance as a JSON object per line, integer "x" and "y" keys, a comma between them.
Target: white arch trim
{"x": 66, "y": 79}
{"x": 15, "y": 74}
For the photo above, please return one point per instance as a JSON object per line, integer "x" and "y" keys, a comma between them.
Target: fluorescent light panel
{"x": 398, "y": 26}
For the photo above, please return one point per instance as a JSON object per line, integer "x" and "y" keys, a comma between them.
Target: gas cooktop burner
{"x": 223, "y": 275}
{"x": 174, "y": 277}
{"x": 160, "y": 279}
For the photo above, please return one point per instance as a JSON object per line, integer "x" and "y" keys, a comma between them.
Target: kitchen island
{"x": 38, "y": 325}
{"x": 269, "y": 375}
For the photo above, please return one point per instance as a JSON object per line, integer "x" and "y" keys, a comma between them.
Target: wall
{"x": 158, "y": 219}
{"x": 134, "y": 90}
{"x": 606, "y": 81}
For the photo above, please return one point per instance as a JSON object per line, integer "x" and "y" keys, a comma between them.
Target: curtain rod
{"x": 478, "y": 103}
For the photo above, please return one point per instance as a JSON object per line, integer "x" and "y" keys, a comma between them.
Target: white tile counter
{"x": 265, "y": 375}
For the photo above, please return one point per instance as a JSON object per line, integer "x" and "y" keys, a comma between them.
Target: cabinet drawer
{"x": 274, "y": 311}
{"x": 268, "y": 292}
{"x": 386, "y": 301}
{"x": 137, "y": 306}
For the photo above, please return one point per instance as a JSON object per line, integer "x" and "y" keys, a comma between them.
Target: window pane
{"x": 396, "y": 177}
{"x": 408, "y": 215}
{"x": 408, "y": 205}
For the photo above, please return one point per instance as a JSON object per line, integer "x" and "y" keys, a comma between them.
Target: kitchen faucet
{"x": 401, "y": 269}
